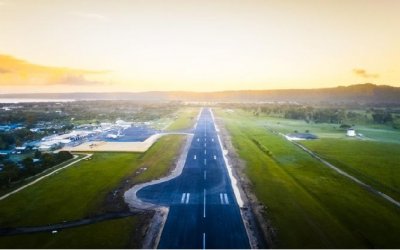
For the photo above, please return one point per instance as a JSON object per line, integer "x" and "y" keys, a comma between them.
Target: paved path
{"x": 204, "y": 212}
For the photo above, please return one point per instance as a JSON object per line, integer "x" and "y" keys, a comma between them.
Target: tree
{"x": 63, "y": 156}
{"x": 37, "y": 154}
{"x": 382, "y": 117}
{"x": 48, "y": 160}
{"x": 11, "y": 172}
{"x": 27, "y": 162}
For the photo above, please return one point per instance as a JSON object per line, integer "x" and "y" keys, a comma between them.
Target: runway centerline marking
{"x": 205, "y": 175}
{"x": 215, "y": 157}
{"x": 205, "y": 151}
{"x": 204, "y": 204}
{"x": 204, "y": 240}
{"x": 205, "y": 161}
{"x": 194, "y": 157}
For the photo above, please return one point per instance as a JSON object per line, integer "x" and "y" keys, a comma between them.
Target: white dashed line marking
{"x": 204, "y": 202}
{"x": 204, "y": 240}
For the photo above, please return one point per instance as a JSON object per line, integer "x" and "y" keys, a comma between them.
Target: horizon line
{"x": 188, "y": 91}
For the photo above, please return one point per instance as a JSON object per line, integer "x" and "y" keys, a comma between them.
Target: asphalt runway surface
{"x": 203, "y": 209}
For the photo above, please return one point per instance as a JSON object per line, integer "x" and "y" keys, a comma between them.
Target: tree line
{"x": 12, "y": 171}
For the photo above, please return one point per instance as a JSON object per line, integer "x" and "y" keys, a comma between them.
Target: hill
{"x": 362, "y": 93}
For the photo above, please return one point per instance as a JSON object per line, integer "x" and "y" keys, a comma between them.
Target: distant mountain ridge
{"x": 365, "y": 93}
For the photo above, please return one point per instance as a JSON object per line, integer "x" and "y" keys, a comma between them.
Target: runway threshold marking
{"x": 204, "y": 204}
{"x": 223, "y": 197}
{"x": 226, "y": 199}
{"x": 185, "y": 198}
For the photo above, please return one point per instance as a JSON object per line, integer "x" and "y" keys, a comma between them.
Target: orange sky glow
{"x": 125, "y": 45}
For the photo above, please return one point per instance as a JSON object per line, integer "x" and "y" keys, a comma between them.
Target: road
{"x": 203, "y": 210}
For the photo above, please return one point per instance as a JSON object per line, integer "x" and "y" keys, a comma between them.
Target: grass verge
{"x": 185, "y": 119}
{"x": 81, "y": 190}
{"x": 25, "y": 181}
{"x": 100, "y": 235}
{"x": 309, "y": 205}
{"x": 375, "y": 163}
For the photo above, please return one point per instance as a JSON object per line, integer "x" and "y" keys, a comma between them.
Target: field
{"x": 185, "y": 119}
{"x": 374, "y": 132}
{"x": 100, "y": 235}
{"x": 80, "y": 191}
{"x": 22, "y": 182}
{"x": 308, "y": 204}
{"x": 375, "y": 163}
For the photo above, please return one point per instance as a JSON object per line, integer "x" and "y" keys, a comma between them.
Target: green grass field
{"x": 80, "y": 190}
{"x": 23, "y": 182}
{"x": 99, "y": 235}
{"x": 309, "y": 205}
{"x": 373, "y": 132}
{"x": 375, "y": 163}
{"x": 185, "y": 119}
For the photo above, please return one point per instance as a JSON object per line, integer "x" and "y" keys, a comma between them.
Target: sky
{"x": 128, "y": 45}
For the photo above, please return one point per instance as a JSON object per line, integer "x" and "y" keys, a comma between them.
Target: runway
{"x": 203, "y": 211}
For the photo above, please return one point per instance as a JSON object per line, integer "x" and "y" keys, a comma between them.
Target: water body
{"x": 27, "y": 100}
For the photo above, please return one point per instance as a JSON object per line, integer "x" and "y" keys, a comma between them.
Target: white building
{"x": 123, "y": 124}
{"x": 351, "y": 132}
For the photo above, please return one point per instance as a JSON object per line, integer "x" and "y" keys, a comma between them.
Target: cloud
{"x": 89, "y": 15}
{"x": 19, "y": 72}
{"x": 363, "y": 73}
{"x": 77, "y": 80}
